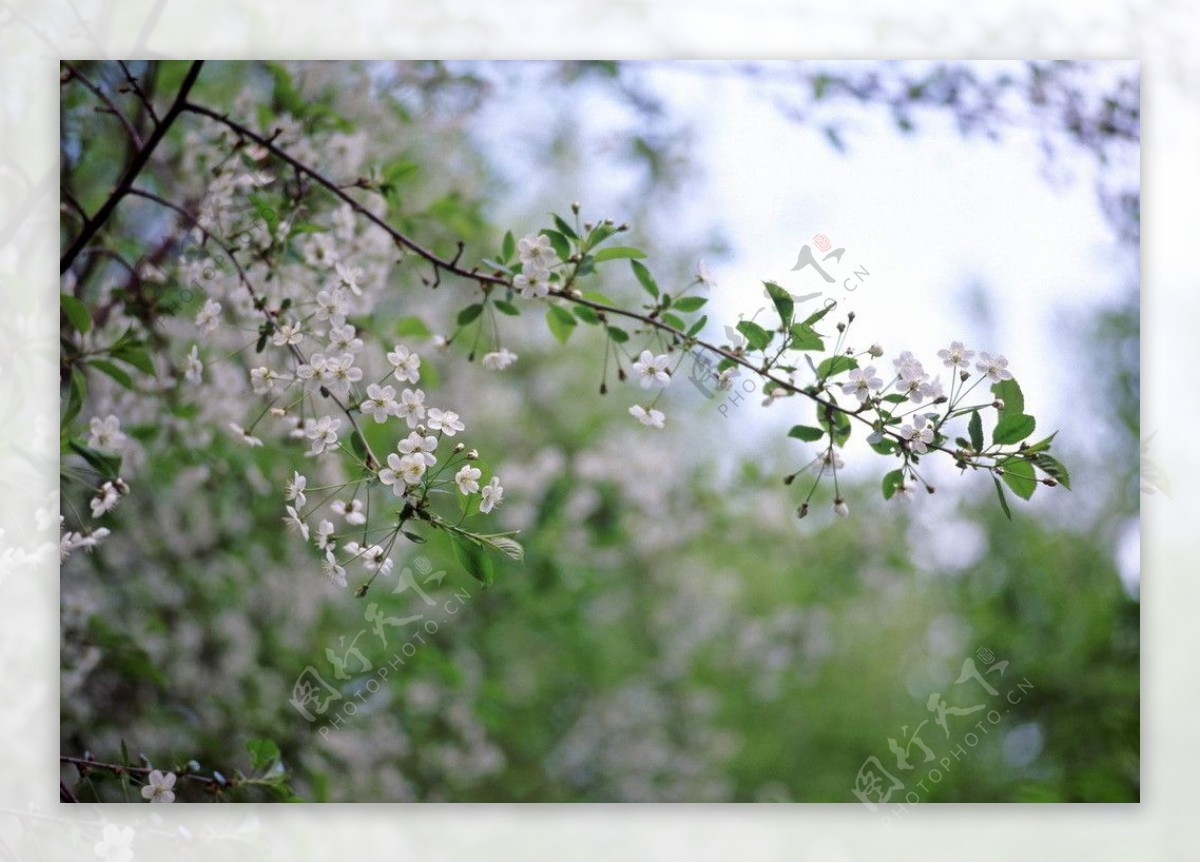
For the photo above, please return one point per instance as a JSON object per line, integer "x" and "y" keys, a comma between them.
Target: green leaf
{"x": 756, "y": 337}
{"x": 562, "y": 246}
{"x": 1052, "y": 467}
{"x": 1003, "y": 501}
{"x": 618, "y": 335}
{"x": 805, "y": 338}
{"x": 886, "y": 446}
{"x": 469, "y": 314}
{"x": 263, "y": 753}
{"x": 108, "y": 466}
{"x": 695, "y": 328}
{"x": 891, "y": 482}
{"x": 505, "y": 307}
{"x": 76, "y": 312}
{"x": 75, "y": 396}
{"x": 1040, "y": 446}
{"x": 564, "y": 228}
{"x": 839, "y": 430}
{"x": 1010, "y": 393}
{"x": 1020, "y": 477}
{"x": 1013, "y": 428}
{"x": 412, "y": 327}
{"x": 674, "y": 321}
{"x": 807, "y": 433}
{"x": 643, "y": 276}
{"x": 689, "y": 304}
{"x": 113, "y": 371}
{"x": 975, "y": 430}
{"x": 586, "y": 315}
{"x": 835, "y": 366}
{"x": 820, "y": 313}
{"x": 614, "y": 252}
{"x": 503, "y": 543}
{"x": 509, "y": 247}
{"x": 561, "y": 323}
{"x": 135, "y": 355}
{"x": 783, "y": 302}
{"x": 473, "y": 559}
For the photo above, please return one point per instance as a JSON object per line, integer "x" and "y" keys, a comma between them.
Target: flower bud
{"x": 930, "y": 489}
{"x": 459, "y": 447}
{"x": 876, "y": 351}
{"x": 420, "y": 429}
{"x": 850, "y": 317}
{"x": 608, "y": 223}
{"x": 624, "y": 226}
{"x": 362, "y": 591}
{"x": 587, "y": 226}
{"x": 964, "y": 376}
{"x": 473, "y": 455}
{"x": 278, "y": 412}
{"x": 1050, "y": 482}
{"x": 998, "y": 404}
{"x": 841, "y": 328}
{"x": 840, "y": 508}
{"x": 575, "y": 205}
{"x": 789, "y": 479}
{"x": 802, "y": 510}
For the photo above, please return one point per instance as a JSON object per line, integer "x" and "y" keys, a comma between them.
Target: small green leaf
{"x": 618, "y": 335}
{"x": 835, "y": 366}
{"x": 975, "y": 430}
{"x": 614, "y": 252}
{"x": 564, "y": 228}
{"x": 562, "y": 246}
{"x": 506, "y": 308}
{"x": 806, "y": 433}
{"x": 1010, "y": 393}
{"x": 1019, "y": 476}
{"x": 695, "y": 328}
{"x": 135, "y": 355}
{"x": 412, "y": 327}
{"x": 1013, "y": 428}
{"x": 891, "y": 482}
{"x": 756, "y": 337}
{"x": 503, "y": 543}
{"x": 586, "y": 315}
{"x": 805, "y": 338}
{"x": 674, "y": 321}
{"x": 474, "y": 560}
{"x": 509, "y": 247}
{"x": 643, "y": 276}
{"x": 561, "y": 323}
{"x": 820, "y": 313}
{"x": 1052, "y": 467}
{"x": 689, "y": 304}
{"x": 1003, "y": 501}
{"x": 1040, "y": 446}
{"x": 108, "y": 466}
{"x": 469, "y": 314}
{"x": 76, "y": 312}
{"x": 113, "y": 371}
{"x": 75, "y": 396}
{"x": 263, "y": 753}
{"x": 782, "y": 300}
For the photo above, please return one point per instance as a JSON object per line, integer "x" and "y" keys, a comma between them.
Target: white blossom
{"x": 349, "y": 277}
{"x": 341, "y": 373}
{"x": 331, "y": 304}
{"x": 650, "y": 417}
{"x": 412, "y": 407}
{"x": 105, "y": 500}
{"x": 535, "y": 251}
{"x": 294, "y": 522}
{"x": 840, "y": 508}
{"x": 324, "y": 534}
{"x": 294, "y": 490}
{"x": 343, "y": 337}
{"x": 263, "y": 380}
{"x": 996, "y": 368}
{"x": 467, "y": 479}
{"x": 288, "y": 333}
{"x": 416, "y": 444}
{"x": 392, "y": 475}
{"x": 407, "y": 364}
{"x": 532, "y": 284}
{"x": 158, "y": 787}
{"x": 956, "y": 356}
{"x": 919, "y": 433}
{"x": 652, "y": 369}
{"x": 334, "y": 570}
{"x": 114, "y": 844}
{"x": 492, "y": 494}
{"x": 380, "y": 402}
{"x": 106, "y": 433}
{"x": 351, "y": 511}
{"x": 323, "y": 434}
{"x": 445, "y": 421}
{"x": 862, "y": 381}
{"x": 193, "y": 368}
{"x": 499, "y": 360}
{"x": 247, "y": 438}
{"x": 209, "y": 316}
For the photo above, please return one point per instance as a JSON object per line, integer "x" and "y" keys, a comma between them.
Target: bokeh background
{"x": 675, "y": 633}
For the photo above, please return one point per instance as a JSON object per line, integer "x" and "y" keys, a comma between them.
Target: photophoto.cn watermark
{"x": 922, "y": 758}
{"x": 830, "y": 268}
{"x": 313, "y": 695}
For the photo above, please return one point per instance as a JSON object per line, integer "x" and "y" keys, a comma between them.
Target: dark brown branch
{"x": 135, "y": 167}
